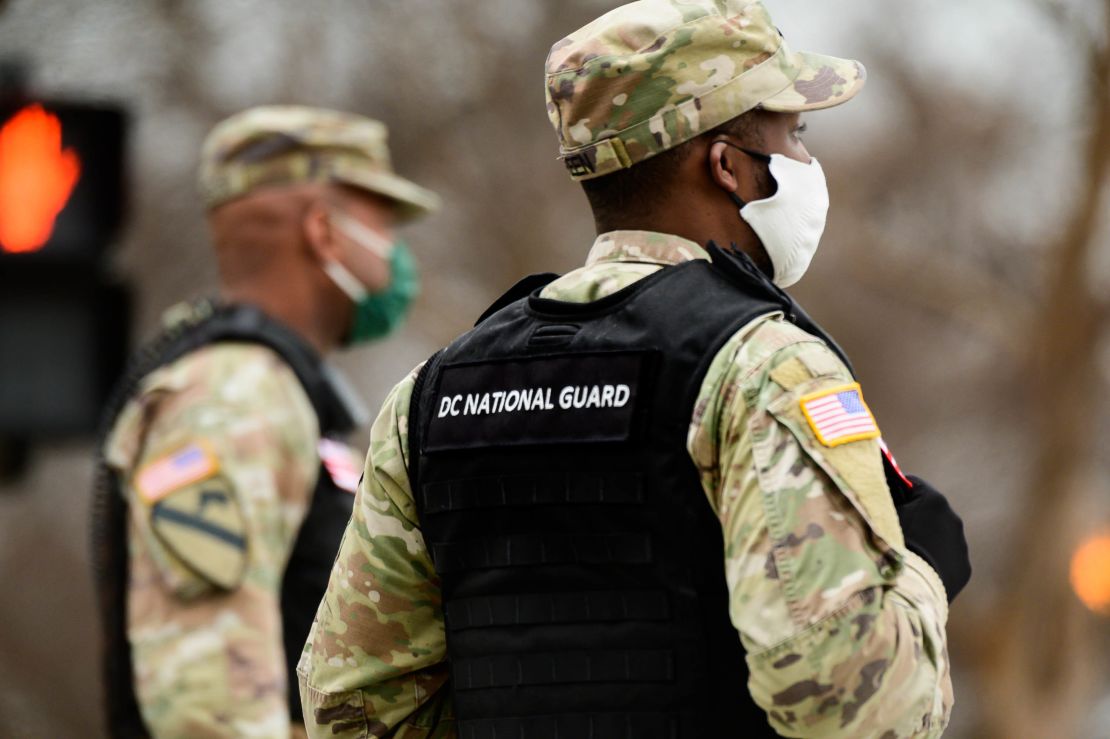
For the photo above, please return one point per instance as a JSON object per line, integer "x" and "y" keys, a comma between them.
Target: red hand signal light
{"x": 37, "y": 178}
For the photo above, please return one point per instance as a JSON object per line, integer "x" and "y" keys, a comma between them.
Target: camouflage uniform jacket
{"x": 843, "y": 627}
{"x": 207, "y": 655}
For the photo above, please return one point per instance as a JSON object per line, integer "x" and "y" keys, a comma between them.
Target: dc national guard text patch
{"x": 541, "y": 400}
{"x": 838, "y": 415}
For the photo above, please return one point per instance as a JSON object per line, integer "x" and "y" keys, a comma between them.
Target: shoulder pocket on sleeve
{"x": 834, "y": 428}
{"x": 191, "y": 520}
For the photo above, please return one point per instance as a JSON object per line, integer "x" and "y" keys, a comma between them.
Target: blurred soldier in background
{"x": 536, "y": 548}
{"x": 225, "y": 485}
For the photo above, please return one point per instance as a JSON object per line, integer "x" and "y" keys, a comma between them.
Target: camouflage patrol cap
{"x": 278, "y": 145}
{"x": 650, "y": 75}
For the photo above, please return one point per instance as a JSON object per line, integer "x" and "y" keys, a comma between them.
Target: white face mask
{"x": 790, "y": 222}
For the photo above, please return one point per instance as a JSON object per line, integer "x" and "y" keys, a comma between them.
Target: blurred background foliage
{"x": 965, "y": 269}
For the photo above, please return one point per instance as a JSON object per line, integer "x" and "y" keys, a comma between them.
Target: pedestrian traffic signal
{"x": 64, "y": 319}
{"x": 37, "y": 177}
{"x": 61, "y": 178}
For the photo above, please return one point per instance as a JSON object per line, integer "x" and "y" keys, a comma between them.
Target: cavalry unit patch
{"x": 203, "y": 526}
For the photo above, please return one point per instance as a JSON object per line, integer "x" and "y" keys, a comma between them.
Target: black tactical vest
{"x": 582, "y": 568}
{"x": 309, "y": 566}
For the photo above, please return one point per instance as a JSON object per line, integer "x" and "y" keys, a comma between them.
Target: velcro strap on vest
{"x": 549, "y": 549}
{"x": 601, "y": 725}
{"x": 510, "y": 670}
{"x": 557, "y": 608}
{"x": 500, "y": 492}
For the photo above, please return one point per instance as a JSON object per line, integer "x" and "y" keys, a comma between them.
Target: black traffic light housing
{"x": 64, "y": 319}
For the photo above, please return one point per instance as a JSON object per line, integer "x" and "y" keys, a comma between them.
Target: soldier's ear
{"x": 724, "y": 167}
{"x": 319, "y": 234}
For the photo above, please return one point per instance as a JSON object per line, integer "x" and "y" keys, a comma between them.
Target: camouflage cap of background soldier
{"x": 653, "y": 74}
{"x": 277, "y": 145}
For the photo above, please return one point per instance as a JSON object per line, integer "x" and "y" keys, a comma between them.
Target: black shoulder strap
{"x": 415, "y": 430}
{"x": 108, "y": 535}
{"x": 209, "y": 324}
{"x": 522, "y": 289}
{"x": 802, "y": 319}
{"x": 108, "y": 544}
{"x": 739, "y": 266}
{"x": 247, "y": 323}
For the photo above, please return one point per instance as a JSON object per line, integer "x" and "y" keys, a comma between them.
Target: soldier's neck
{"x": 288, "y": 305}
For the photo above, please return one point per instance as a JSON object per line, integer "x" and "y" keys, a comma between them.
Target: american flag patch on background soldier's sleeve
{"x": 191, "y": 463}
{"x": 839, "y": 415}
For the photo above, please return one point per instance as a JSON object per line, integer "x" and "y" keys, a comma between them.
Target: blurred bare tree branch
{"x": 1035, "y": 662}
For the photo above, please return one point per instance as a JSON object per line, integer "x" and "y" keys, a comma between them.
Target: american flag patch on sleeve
{"x": 191, "y": 463}
{"x": 839, "y": 415}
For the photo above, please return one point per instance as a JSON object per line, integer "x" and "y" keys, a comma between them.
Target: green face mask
{"x": 376, "y": 314}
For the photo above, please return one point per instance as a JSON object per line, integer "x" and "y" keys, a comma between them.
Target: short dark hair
{"x": 629, "y": 194}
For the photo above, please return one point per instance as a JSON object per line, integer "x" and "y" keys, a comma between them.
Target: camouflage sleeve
{"x": 374, "y": 662}
{"x": 843, "y": 627}
{"x": 220, "y": 453}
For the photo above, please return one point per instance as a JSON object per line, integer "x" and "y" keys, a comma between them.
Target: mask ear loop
{"x": 346, "y": 281}
{"x": 757, "y": 155}
{"x": 362, "y": 234}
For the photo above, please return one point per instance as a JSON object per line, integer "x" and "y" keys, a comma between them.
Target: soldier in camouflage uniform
{"x": 225, "y": 483}
{"x": 468, "y": 601}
